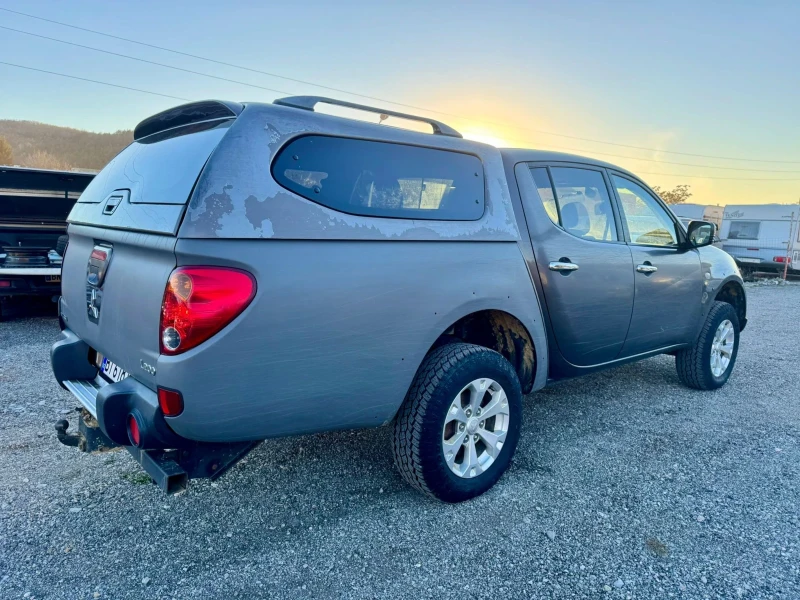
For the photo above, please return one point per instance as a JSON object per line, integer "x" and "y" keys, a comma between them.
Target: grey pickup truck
{"x": 247, "y": 271}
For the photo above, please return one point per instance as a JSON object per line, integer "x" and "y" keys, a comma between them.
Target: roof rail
{"x": 309, "y": 102}
{"x": 194, "y": 112}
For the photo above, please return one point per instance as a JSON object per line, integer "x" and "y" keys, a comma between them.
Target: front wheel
{"x": 459, "y": 425}
{"x": 708, "y": 364}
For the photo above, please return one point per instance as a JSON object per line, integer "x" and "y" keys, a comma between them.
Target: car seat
{"x": 575, "y": 219}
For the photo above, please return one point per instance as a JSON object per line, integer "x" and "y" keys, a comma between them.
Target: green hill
{"x": 45, "y": 146}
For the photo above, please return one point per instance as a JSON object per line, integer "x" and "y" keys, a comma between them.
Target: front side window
{"x": 578, "y": 201}
{"x": 381, "y": 179}
{"x": 744, "y": 230}
{"x": 648, "y": 221}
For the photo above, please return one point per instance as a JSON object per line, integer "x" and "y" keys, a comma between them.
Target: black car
{"x": 34, "y": 205}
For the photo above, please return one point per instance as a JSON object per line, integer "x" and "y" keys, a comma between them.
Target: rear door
{"x": 585, "y": 267}
{"x": 668, "y": 279}
{"x": 122, "y": 239}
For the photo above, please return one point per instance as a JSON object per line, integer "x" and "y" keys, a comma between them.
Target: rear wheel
{"x": 708, "y": 364}
{"x": 459, "y": 425}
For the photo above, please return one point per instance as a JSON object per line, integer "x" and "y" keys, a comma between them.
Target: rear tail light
{"x": 782, "y": 259}
{"x": 133, "y": 430}
{"x": 170, "y": 401}
{"x": 199, "y": 302}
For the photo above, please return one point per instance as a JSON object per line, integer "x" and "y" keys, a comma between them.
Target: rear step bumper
{"x": 169, "y": 459}
{"x": 85, "y": 392}
{"x": 30, "y": 281}
{"x": 111, "y": 403}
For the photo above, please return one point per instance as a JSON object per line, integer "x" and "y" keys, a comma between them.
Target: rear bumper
{"x": 764, "y": 265}
{"x": 29, "y": 281}
{"x": 111, "y": 403}
{"x": 761, "y": 259}
{"x": 169, "y": 459}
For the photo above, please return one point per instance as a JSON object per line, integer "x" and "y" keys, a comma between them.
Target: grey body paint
{"x": 336, "y": 331}
{"x": 616, "y": 316}
{"x": 347, "y": 306}
{"x": 718, "y": 269}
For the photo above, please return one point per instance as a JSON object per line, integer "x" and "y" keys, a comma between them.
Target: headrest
{"x": 575, "y": 218}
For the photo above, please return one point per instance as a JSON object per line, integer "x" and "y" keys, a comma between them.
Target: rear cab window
{"x": 383, "y": 179}
{"x": 577, "y": 200}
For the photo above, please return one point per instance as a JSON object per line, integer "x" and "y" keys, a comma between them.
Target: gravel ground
{"x": 625, "y": 485}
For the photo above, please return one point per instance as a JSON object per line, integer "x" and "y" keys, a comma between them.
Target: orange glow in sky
{"x": 485, "y": 137}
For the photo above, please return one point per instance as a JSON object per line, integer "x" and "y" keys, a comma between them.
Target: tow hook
{"x": 88, "y": 438}
{"x": 68, "y": 439}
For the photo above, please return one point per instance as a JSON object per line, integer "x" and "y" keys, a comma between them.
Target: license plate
{"x": 750, "y": 260}
{"x": 52, "y": 278}
{"x": 113, "y": 372}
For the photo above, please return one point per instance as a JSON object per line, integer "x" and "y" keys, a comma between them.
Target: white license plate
{"x": 113, "y": 372}
{"x": 750, "y": 260}
{"x": 52, "y": 278}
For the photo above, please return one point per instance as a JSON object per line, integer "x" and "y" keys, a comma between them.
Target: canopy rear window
{"x": 382, "y": 179}
{"x": 161, "y": 168}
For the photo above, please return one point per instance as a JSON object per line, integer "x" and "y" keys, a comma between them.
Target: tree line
{"x": 43, "y": 146}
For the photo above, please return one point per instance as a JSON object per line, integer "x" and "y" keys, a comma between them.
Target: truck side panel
{"x": 336, "y": 332}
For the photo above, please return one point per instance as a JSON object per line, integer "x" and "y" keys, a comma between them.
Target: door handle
{"x": 563, "y": 266}
{"x": 646, "y": 269}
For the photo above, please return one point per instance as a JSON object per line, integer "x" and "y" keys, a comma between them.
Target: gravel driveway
{"x": 625, "y": 485}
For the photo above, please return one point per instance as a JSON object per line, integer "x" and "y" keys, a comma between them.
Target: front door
{"x": 669, "y": 282}
{"x": 584, "y": 265}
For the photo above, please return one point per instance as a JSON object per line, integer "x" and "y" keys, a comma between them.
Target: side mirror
{"x": 700, "y": 233}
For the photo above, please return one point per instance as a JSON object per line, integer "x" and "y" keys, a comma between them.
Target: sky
{"x": 659, "y": 83}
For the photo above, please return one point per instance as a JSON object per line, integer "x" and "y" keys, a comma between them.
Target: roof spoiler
{"x": 309, "y": 102}
{"x": 195, "y": 112}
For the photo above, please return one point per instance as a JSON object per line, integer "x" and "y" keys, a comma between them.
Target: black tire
{"x": 61, "y": 244}
{"x": 418, "y": 426}
{"x": 694, "y": 364}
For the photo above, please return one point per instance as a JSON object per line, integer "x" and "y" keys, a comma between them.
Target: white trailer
{"x": 698, "y": 212}
{"x": 762, "y": 236}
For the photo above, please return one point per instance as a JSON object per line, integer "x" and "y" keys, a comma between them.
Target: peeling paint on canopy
{"x": 236, "y": 196}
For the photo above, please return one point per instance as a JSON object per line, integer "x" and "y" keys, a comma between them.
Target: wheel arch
{"x": 500, "y": 331}
{"x": 733, "y": 293}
